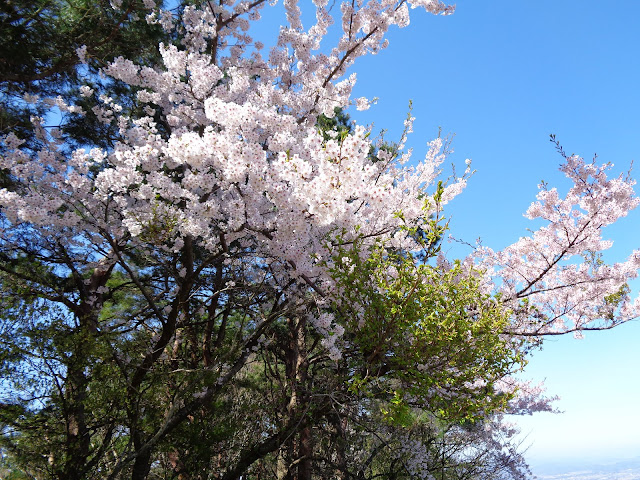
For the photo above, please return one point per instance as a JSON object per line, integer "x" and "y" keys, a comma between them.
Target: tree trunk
{"x": 305, "y": 451}
{"x": 142, "y": 465}
{"x": 77, "y": 442}
{"x": 298, "y": 448}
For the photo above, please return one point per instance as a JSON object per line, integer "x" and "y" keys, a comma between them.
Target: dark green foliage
{"x": 38, "y": 43}
{"x": 339, "y": 124}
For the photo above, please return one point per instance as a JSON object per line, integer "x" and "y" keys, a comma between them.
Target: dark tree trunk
{"x": 305, "y": 451}
{"x": 77, "y": 442}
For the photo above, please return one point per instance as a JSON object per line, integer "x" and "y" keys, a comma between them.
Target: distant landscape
{"x": 628, "y": 469}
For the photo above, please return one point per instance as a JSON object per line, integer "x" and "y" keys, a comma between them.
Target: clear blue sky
{"x": 502, "y": 76}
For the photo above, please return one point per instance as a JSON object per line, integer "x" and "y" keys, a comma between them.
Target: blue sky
{"x": 502, "y": 76}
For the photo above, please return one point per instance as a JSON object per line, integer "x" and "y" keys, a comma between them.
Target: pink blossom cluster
{"x": 554, "y": 280}
{"x": 529, "y": 397}
{"x": 228, "y": 155}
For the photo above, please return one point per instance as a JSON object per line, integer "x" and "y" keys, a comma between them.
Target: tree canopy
{"x": 208, "y": 271}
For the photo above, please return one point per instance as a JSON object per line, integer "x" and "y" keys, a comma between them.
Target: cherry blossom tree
{"x": 225, "y": 255}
